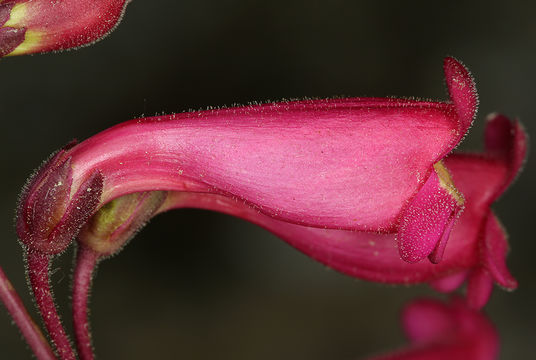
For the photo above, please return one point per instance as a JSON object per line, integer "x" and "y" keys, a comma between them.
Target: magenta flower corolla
{"x": 364, "y": 164}
{"x": 439, "y": 331}
{"x": 346, "y": 181}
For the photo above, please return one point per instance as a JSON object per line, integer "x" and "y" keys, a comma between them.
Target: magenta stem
{"x": 86, "y": 260}
{"x": 29, "y": 329}
{"x": 38, "y": 273}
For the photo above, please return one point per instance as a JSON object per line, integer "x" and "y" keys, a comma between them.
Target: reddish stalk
{"x": 38, "y": 274}
{"x": 85, "y": 264}
{"x": 29, "y": 329}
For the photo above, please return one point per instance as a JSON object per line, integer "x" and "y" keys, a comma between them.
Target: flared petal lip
{"x": 509, "y": 153}
{"x": 514, "y": 151}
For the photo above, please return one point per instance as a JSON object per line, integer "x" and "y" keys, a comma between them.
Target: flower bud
{"x": 28, "y": 27}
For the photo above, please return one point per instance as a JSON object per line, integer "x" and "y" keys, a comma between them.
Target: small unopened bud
{"x": 36, "y": 26}
{"x": 114, "y": 224}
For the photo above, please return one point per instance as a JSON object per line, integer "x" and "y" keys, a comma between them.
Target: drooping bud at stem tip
{"x": 28, "y": 27}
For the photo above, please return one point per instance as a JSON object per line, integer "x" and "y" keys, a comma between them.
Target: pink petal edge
{"x": 427, "y": 221}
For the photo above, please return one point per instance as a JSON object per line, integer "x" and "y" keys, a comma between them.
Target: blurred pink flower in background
{"x": 439, "y": 331}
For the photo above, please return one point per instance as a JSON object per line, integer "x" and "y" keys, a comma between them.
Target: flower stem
{"x": 86, "y": 260}
{"x": 38, "y": 274}
{"x": 29, "y": 329}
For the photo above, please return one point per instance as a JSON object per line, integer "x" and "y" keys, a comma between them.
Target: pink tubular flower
{"x": 32, "y": 26}
{"x": 356, "y": 183}
{"x": 361, "y": 164}
{"x": 440, "y": 331}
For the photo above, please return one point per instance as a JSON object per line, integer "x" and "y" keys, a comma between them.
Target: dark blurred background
{"x": 200, "y": 285}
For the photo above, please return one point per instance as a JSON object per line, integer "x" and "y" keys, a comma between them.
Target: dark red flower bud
{"x": 28, "y": 27}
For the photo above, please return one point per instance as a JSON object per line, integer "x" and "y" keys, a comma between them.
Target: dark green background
{"x": 199, "y": 285}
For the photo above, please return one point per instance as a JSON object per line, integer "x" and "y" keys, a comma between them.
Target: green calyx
{"x": 118, "y": 221}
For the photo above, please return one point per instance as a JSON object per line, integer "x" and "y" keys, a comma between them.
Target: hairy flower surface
{"x": 360, "y": 164}
{"x": 32, "y": 26}
{"x": 439, "y": 331}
